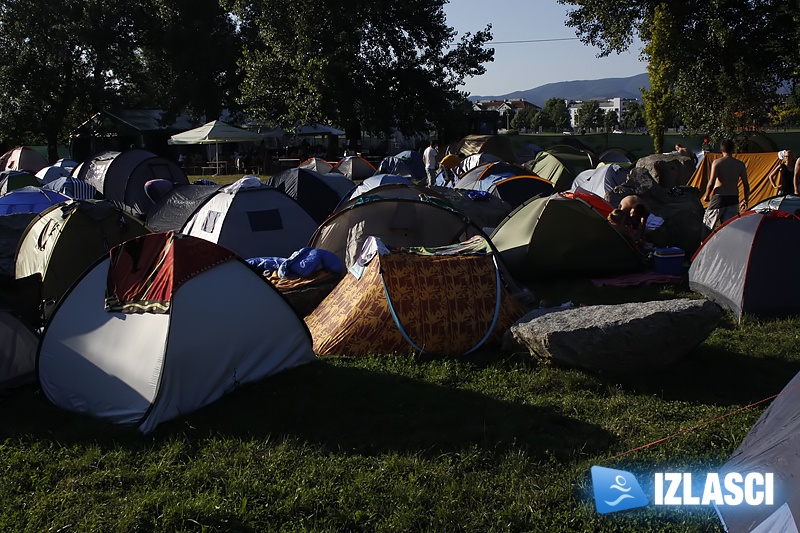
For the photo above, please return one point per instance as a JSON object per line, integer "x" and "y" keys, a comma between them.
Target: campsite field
{"x": 496, "y": 442}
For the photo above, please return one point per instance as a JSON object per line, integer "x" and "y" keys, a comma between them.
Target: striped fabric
{"x": 72, "y": 187}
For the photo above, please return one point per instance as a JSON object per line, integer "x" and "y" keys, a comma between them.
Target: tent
{"x": 48, "y": 174}
{"x": 252, "y": 220}
{"x": 789, "y": 203}
{"x": 474, "y": 161}
{"x": 600, "y": 180}
{"x": 121, "y": 177}
{"x": 620, "y": 156}
{"x": 408, "y": 164}
{"x": 72, "y": 187}
{"x": 12, "y": 228}
{"x": 173, "y": 209}
{"x": 742, "y": 265}
{"x": 562, "y": 236}
{"x": 758, "y": 166}
{"x": 511, "y": 183}
{"x": 485, "y": 210}
{"x": 445, "y": 301}
{"x": 769, "y": 447}
{"x": 139, "y": 338}
{"x": 409, "y": 191}
{"x": 67, "y": 238}
{"x": 396, "y": 221}
{"x": 318, "y": 194}
{"x": 18, "y": 345}
{"x": 498, "y": 145}
{"x": 22, "y": 158}
{"x": 316, "y": 164}
{"x": 215, "y": 132}
{"x": 318, "y": 129}
{"x": 11, "y": 180}
{"x": 372, "y": 182}
{"x": 354, "y": 167}
{"x": 549, "y": 167}
{"x": 29, "y": 200}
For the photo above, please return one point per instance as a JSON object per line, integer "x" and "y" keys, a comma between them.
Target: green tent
{"x": 560, "y": 165}
{"x": 562, "y": 236}
{"x": 68, "y": 238}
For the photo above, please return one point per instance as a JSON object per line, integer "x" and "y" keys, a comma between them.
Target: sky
{"x": 522, "y": 66}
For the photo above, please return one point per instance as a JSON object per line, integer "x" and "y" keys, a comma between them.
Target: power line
{"x": 534, "y": 41}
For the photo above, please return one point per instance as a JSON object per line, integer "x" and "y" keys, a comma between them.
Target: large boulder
{"x": 616, "y": 339}
{"x": 680, "y": 207}
{"x": 668, "y": 170}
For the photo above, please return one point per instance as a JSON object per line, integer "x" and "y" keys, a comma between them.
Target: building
{"x": 606, "y": 105}
{"x": 505, "y": 109}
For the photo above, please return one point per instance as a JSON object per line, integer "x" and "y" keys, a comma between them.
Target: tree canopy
{"x": 720, "y": 63}
{"x": 375, "y": 64}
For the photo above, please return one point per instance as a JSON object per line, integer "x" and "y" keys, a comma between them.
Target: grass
{"x": 493, "y": 442}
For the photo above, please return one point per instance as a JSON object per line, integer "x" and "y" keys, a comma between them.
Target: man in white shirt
{"x": 429, "y": 158}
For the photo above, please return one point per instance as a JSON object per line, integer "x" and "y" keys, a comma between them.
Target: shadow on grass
{"x": 715, "y": 376}
{"x": 339, "y": 409}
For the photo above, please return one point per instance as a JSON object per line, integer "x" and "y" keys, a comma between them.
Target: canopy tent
{"x": 215, "y": 132}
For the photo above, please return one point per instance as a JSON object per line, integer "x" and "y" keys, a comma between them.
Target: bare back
{"x": 725, "y": 174}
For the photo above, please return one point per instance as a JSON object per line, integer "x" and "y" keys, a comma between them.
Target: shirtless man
{"x": 722, "y": 193}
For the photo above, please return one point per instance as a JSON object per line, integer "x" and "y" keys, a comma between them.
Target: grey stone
{"x": 616, "y": 339}
{"x": 668, "y": 170}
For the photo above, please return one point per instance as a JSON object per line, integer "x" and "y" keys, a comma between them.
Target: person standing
{"x": 782, "y": 176}
{"x": 430, "y": 159}
{"x": 722, "y": 193}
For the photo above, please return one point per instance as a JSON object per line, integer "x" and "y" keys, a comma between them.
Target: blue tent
{"x": 29, "y": 200}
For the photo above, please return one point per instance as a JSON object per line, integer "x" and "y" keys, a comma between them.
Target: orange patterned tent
{"x": 412, "y": 301}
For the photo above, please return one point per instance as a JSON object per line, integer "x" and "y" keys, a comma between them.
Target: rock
{"x": 668, "y": 170}
{"x": 616, "y": 339}
{"x": 680, "y": 208}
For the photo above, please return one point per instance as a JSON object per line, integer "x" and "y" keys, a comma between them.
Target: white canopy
{"x": 215, "y": 132}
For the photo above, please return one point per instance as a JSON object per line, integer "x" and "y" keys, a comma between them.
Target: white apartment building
{"x": 606, "y": 104}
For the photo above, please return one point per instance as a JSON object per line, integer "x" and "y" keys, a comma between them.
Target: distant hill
{"x": 579, "y": 90}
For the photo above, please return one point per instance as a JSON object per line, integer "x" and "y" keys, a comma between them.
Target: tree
{"x": 725, "y": 60}
{"x": 524, "y": 119}
{"x": 633, "y": 116}
{"x": 658, "y": 100}
{"x": 189, "y": 51}
{"x": 611, "y": 120}
{"x": 556, "y": 114}
{"x": 377, "y": 65}
{"x": 589, "y": 115}
{"x": 60, "y": 65}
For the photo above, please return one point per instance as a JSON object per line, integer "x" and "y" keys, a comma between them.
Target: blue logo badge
{"x": 616, "y": 490}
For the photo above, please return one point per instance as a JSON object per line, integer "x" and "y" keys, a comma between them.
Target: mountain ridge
{"x": 630, "y": 87}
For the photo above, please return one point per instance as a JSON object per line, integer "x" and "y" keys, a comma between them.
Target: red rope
{"x": 683, "y": 431}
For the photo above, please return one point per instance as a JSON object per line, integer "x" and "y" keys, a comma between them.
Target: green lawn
{"x": 493, "y": 442}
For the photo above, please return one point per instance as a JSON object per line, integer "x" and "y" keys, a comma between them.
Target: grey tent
{"x": 165, "y": 325}
{"x": 739, "y": 264}
{"x": 121, "y": 177}
{"x": 253, "y": 220}
{"x": 771, "y": 446}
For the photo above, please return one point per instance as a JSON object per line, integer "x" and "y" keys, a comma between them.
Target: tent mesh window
{"x": 267, "y": 220}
